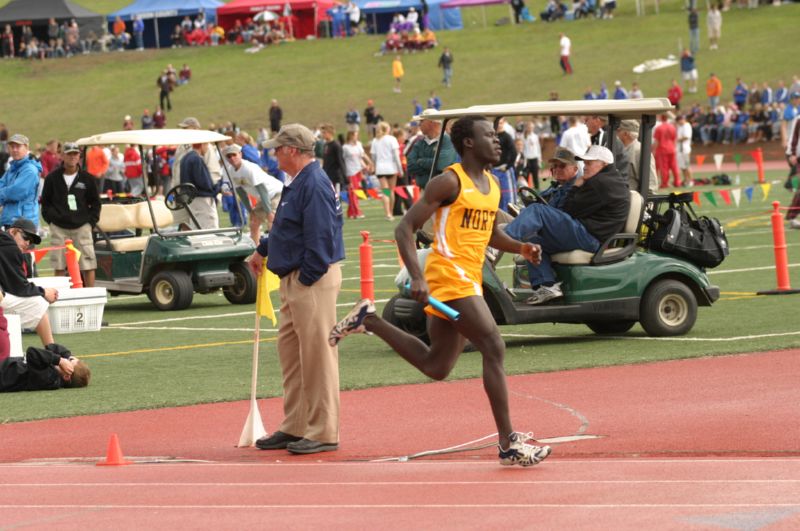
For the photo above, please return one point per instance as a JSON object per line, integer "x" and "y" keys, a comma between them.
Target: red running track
{"x": 702, "y": 443}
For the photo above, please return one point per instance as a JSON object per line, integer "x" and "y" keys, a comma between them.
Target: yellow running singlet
{"x": 461, "y": 233}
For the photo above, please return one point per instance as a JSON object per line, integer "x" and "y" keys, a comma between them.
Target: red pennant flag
{"x": 726, "y": 196}
{"x": 373, "y": 193}
{"x": 700, "y": 159}
{"x": 416, "y": 193}
{"x": 697, "y": 199}
{"x": 399, "y": 190}
{"x": 38, "y": 254}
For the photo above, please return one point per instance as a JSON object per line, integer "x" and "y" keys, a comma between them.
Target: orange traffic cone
{"x": 114, "y": 455}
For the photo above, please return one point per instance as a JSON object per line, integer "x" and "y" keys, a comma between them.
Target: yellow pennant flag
{"x": 765, "y": 188}
{"x": 76, "y": 251}
{"x": 267, "y": 282}
{"x": 361, "y": 194}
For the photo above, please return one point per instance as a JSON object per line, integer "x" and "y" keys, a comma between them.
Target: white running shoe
{"x": 521, "y": 453}
{"x": 353, "y": 322}
{"x": 545, "y": 293}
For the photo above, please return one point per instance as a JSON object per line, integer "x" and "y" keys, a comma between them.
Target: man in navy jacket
{"x": 304, "y": 249}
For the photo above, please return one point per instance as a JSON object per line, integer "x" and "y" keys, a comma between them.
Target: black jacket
{"x": 36, "y": 372}
{"x": 12, "y": 272}
{"x": 509, "y": 150}
{"x": 601, "y": 204}
{"x": 55, "y": 206}
{"x": 333, "y": 162}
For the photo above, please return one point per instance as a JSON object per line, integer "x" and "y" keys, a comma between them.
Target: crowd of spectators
{"x": 63, "y": 40}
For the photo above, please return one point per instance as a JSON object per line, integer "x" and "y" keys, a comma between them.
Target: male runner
{"x": 464, "y": 200}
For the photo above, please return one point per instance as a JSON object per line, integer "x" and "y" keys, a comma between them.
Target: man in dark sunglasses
{"x": 22, "y": 297}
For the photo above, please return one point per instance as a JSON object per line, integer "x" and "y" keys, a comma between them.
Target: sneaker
{"x": 545, "y": 293}
{"x": 521, "y": 453}
{"x": 353, "y": 322}
{"x": 795, "y": 223}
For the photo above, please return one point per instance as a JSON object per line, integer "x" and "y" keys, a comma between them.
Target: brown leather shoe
{"x": 276, "y": 441}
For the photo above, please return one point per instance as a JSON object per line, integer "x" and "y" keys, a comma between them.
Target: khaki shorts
{"x": 684, "y": 160}
{"x": 30, "y": 309}
{"x": 260, "y": 213}
{"x": 81, "y": 238}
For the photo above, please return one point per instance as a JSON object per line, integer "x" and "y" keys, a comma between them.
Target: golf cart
{"x": 621, "y": 284}
{"x": 137, "y": 252}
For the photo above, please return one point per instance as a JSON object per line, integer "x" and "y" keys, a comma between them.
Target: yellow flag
{"x": 765, "y": 188}
{"x": 77, "y": 252}
{"x": 360, "y": 194}
{"x": 267, "y": 282}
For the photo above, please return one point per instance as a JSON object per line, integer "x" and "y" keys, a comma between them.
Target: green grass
{"x": 317, "y": 81}
{"x": 169, "y": 363}
{"x": 148, "y": 359}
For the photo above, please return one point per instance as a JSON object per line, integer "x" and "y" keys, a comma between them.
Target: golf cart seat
{"x": 118, "y": 217}
{"x": 616, "y": 248}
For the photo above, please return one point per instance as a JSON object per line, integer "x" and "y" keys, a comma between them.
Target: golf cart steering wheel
{"x": 180, "y": 196}
{"x": 530, "y": 196}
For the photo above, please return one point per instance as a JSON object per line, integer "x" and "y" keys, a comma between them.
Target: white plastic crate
{"x": 52, "y": 282}
{"x": 78, "y": 310}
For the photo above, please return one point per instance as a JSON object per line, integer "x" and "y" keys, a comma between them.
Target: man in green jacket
{"x": 420, "y": 156}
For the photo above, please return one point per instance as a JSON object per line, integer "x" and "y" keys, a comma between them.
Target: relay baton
{"x": 449, "y": 312}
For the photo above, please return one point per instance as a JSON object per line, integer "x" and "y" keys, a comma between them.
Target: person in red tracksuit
{"x": 664, "y": 138}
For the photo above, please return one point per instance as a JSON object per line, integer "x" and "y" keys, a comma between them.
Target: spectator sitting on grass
{"x": 43, "y": 369}
{"x": 21, "y": 297}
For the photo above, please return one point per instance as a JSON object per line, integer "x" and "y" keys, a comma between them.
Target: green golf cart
{"x": 609, "y": 291}
{"x": 138, "y": 251}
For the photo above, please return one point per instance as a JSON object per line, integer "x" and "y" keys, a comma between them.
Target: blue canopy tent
{"x": 380, "y": 13}
{"x": 161, "y": 16}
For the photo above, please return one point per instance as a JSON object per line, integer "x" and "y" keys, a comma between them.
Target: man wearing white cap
{"x": 19, "y": 187}
{"x": 252, "y": 180}
{"x": 595, "y": 209}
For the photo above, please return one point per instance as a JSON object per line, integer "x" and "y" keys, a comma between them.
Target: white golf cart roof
{"x": 621, "y": 109}
{"x": 154, "y": 137}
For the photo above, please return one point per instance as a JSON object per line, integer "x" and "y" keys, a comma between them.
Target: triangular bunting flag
{"x": 765, "y": 188}
{"x": 710, "y": 197}
{"x": 416, "y": 193}
{"x": 361, "y": 194}
{"x": 410, "y": 192}
{"x": 700, "y": 159}
{"x": 795, "y": 183}
{"x": 726, "y": 196}
{"x": 343, "y": 195}
{"x": 737, "y": 158}
{"x": 387, "y": 192}
{"x": 38, "y": 254}
{"x": 748, "y": 192}
{"x": 373, "y": 193}
{"x": 399, "y": 190}
{"x": 718, "y": 160}
{"x": 696, "y": 199}
{"x": 737, "y": 196}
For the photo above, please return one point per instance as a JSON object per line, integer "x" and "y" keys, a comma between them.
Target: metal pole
{"x": 155, "y": 25}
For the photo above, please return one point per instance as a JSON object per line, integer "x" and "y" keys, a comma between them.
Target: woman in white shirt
{"x": 355, "y": 161}
{"x": 386, "y": 154}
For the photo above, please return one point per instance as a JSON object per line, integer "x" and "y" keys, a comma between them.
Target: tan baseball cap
{"x": 190, "y": 123}
{"x": 19, "y": 139}
{"x": 564, "y": 155}
{"x": 293, "y": 135}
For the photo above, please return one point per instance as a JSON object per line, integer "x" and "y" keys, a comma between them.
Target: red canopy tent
{"x": 305, "y": 14}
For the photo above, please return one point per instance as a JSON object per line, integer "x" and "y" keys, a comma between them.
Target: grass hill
{"x": 318, "y": 80}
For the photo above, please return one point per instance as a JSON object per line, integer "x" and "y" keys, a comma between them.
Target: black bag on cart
{"x": 680, "y": 232}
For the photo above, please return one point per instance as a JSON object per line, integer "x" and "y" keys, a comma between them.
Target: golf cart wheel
{"x": 244, "y": 288}
{"x": 408, "y": 315}
{"x": 610, "y": 327}
{"x": 171, "y": 290}
{"x": 668, "y": 308}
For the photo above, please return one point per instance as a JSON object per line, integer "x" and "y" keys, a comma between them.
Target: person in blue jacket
{"x": 19, "y": 187}
{"x": 304, "y": 248}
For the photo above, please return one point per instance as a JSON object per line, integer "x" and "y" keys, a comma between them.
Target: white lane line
{"x": 399, "y": 483}
{"x": 745, "y": 270}
{"x": 415, "y": 506}
{"x": 639, "y": 338}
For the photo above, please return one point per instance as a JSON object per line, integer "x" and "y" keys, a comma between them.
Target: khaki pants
{"x": 310, "y": 366}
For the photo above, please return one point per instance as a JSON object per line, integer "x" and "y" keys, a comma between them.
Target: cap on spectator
{"x": 128, "y": 118}
{"x": 190, "y": 123}
{"x": 564, "y": 155}
{"x": 27, "y": 226}
{"x": 598, "y": 153}
{"x": 618, "y": 82}
{"x": 795, "y": 95}
{"x": 293, "y": 135}
{"x": 71, "y": 147}
{"x": 233, "y": 148}
{"x": 631, "y": 126}
{"x": 18, "y": 139}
